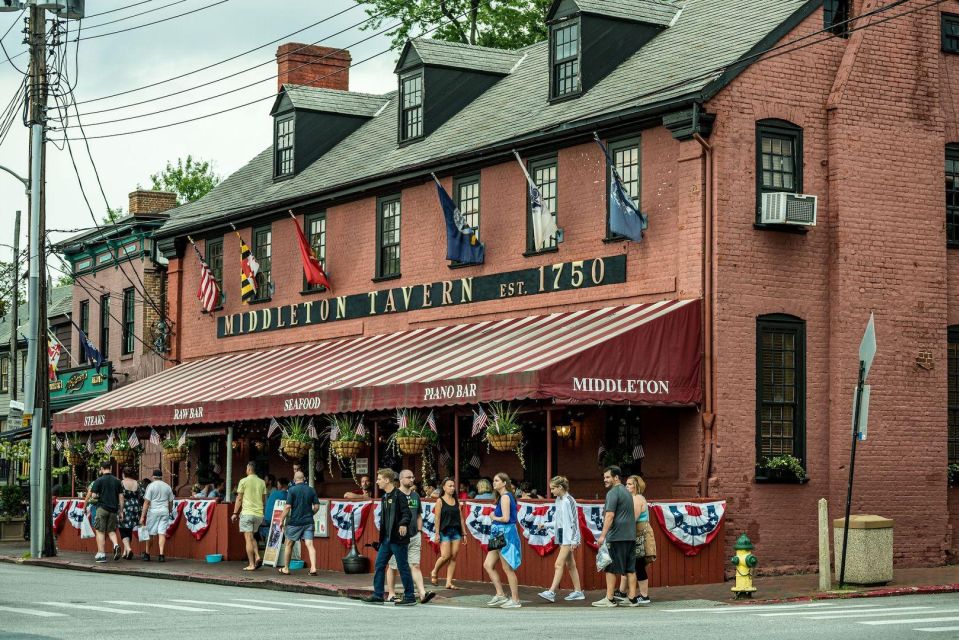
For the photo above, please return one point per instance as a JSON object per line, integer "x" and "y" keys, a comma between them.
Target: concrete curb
{"x": 875, "y": 593}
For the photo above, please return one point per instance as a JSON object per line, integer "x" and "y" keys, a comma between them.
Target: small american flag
{"x": 444, "y": 457}
{"x": 334, "y": 432}
{"x": 133, "y": 440}
{"x": 479, "y": 421}
{"x": 108, "y": 446}
{"x": 274, "y": 425}
{"x": 90, "y": 443}
{"x": 599, "y": 454}
{"x": 401, "y": 419}
{"x": 310, "y": 429}
{"x": 216, "y": 468}
{"x": 208, "y": 293}
{"x": 360, "y": 429}
{"x": 431, "y": 421}
{"x": 475, "y": 461}
{"x": 638, "y": 453}
{"x": 154, "y": 437}
{"x": 58, "y": 443}
{"x": 182, "y": 440}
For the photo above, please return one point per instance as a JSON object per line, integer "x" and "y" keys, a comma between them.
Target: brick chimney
{"x": 313, "y": 66}
{"x": 144, "y": 202}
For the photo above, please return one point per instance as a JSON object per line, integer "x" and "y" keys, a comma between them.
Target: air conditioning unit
{"x": 788, "y": 208}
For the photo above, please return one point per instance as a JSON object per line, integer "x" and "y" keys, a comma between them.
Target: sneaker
{"x": 429, "y": 595}
{"x": 619, "y": 597}
{"x": 116, "y": 552}
{"x": 100, "y": 557}
{"x": 631, "y": 602}
{"x": 145, "y": 557}
{"x": 373, "y": 600}
{"x": 605, "y": 602}
{"x": 549, "y": 596}
{"x": 642, "y": 600}
{"x": 497, "y": 601}
{"x": 160, "y": 558}
{"x": 510, "y": 604}
{"x": 404, "y": 603}
{"x": 575, "y": 595}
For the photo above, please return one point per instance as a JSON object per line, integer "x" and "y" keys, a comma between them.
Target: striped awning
{"x": 647, "y": 354}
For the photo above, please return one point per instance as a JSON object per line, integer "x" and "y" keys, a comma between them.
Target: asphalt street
{"x": 37, "y": 602}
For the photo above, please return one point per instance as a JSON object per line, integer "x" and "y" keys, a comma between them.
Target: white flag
{"x": 545, "y": 232}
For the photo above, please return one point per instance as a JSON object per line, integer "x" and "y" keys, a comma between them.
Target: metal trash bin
{"x": 869, "y": 559}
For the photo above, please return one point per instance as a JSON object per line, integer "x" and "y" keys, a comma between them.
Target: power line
{"x": 142, "y": 13}
{"x": 129, "y": 6}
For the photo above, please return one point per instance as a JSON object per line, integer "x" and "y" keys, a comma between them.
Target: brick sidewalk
{"x": 770, "y": 589}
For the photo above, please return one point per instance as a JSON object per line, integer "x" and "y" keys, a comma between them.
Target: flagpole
{"x": 202, "y": 259}
{"x": 522, "y": 166}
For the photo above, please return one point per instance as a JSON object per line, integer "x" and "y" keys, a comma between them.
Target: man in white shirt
{"x": 157, "y": 513}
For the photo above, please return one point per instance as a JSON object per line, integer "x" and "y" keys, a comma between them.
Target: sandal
{"x": 259, "y": 563}
{"x": 453, "y": 587}
{"x": 434, "y": 579}
{"x": 312, "y": 573}
{"x": 284, "y": 570}
{"x": 249, "y": 568}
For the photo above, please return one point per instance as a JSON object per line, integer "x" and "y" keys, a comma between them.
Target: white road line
{"x": 910, "y": 620}
{"x": 174, "y": 607}
{"x": 226, "y": 604}
{"x": 898, "y": 611}
{"x": 345, "y": 602}
{"x": 850, "y": 608}
{"x": 33, "y": 612}
{"x": 937, "y": 629}
{"x": 753, "y": 608}
{"x": 289, "y": 604}
{"x": 87, "y": 607}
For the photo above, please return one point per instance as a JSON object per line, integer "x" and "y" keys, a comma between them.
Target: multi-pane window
{"x": 625, "y": 155}
{"x": 953, "y": 384}
{"x": 316, "y": 235}
{"x": 283, "y": 154}
{"x": 85, "y": 328}
{"x": 4, "y": 374}
{"x": 780, "y": 387}
{"x": 411, "y": 113}
{"x": 214, "y": 258}
{"x": 129, "y": 315}
{"x": 468, "y": 200}
{"x": 779, "y": 158}
{"x": 835, "y": 17}
{"x": 950, "y": 33}
{"x": 263, "y": 252}
{"x": 544, "y": 174}
{"x": 565, "y": 53}
{"x": 105, "y": 326}
{"x": 388, "y": 238}
{"x": 952, "y": 194}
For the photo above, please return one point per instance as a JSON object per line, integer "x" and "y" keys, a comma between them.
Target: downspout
{"x": 708, "y": 413}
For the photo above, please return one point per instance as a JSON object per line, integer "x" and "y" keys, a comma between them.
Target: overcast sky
{"x": 115, "y": 63}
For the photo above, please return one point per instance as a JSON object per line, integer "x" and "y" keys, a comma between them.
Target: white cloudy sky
{"x": 115, "y": 63}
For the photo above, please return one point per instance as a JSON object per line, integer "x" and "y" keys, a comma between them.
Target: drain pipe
{"x": 709, "y": 416}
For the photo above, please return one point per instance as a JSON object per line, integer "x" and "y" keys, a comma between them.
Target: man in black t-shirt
{"x": 416, "y": 541}
{"x": 107, "y": 493}
{"x": 301, "y": 506}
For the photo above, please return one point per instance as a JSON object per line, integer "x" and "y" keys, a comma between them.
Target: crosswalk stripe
{"x": 33, "y": 612}
{"x": 290, "y": 604}
{"x": 227, "y": 604}
{"x": 753, "y": 608}
{"x": 910, "y": 620}
{"x": 851, "y": 608}
{"x": 338, "y": 602}
{"x": 174, "y": 607}
{"x": 898, "y": 611}
{"x": 87, "y": 607}
{"x": 937, "y": 629}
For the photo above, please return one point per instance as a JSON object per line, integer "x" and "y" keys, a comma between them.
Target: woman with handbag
{"x": 645, "y": 542}
{"x": 504, "y": 544}
{"x": 568, "y": 537}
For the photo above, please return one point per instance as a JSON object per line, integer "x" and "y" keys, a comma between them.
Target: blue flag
{"x": 91, "y": 351}
{"x": 625, "y": 218}
{"x": 462, "y": 244}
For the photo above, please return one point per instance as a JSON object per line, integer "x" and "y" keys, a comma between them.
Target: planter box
{"x": 777, "y": 476}
{"x": 11, "y": 529}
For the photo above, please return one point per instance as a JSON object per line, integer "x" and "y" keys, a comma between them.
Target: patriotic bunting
{"x": 198, "y": 514}
{"x": 538, "y": 526}
{"x": 591, "y": 523}
{"x": 478, "y": 521}
{"x": 429, "y": 524}
{"x": 76, "y": 513}
{"x": 175, "y": 519}
{"x": 343, "y": 513}
{"x": 60, "y": 509}
{"x": 689, "y": 526}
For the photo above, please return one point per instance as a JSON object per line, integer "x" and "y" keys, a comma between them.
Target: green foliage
{"x": 190, "y": 179}
{"x": 503, "y": 419}
{"x": 99, "y": 455}
{"x": 15, "y": 450}
{"x": 173, "y": 441}
{"x": 77, "y": 446}
{"x": 416, "y": 427}
{"x": 122, "y": 441}
{"x": 11, "y": 501}
{"x": 618, "y": 456}
{"x": 295, "y": 429}
{"x": 344, "y": 427}
{"x": 503, "y": 24}
{"x": 112, "y": 216}
{"x": 786, "y": 463}
{"x": 64, "y": 280}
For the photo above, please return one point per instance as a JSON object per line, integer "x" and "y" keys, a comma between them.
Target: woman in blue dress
{"x": 504, "y": 523}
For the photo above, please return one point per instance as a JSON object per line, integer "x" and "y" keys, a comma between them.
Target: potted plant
{"x": 347, "y": 436}
{"x": 954, "y": 475}
{"x": 12, "y": 512}
{"x": 173, "y": 449}
{"x": 98, "y": 456}
{"x": 296, "y": 441}
{"x": 413, "y": 434}
{"x": 74, "y": 451}
{"x": 504, "y": 432}
{"x": 782, "y": 468}
{"x": 122, "y": 452}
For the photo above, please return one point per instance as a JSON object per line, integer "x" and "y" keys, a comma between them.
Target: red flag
{"x": 312, "y": 268}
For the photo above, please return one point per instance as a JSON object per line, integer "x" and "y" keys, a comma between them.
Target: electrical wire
{"x": 129, "y": 6}
{"x": 137, "y": 15}
{"x": 4, "y": 48}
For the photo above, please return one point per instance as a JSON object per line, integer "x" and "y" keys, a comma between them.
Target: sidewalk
{"x": 770, "y": 589}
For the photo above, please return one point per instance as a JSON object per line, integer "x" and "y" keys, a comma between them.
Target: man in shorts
{"x": 157, "y": 513}
{"x": 619, "y": 534}
{"x": 301, "y": 505}
{"x": 107, "y": 493}
{"x": 250, "y": 498}
{"x": 416, "y": 542}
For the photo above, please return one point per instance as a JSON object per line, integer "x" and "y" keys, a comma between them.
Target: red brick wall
{"x": 312, "y": 66}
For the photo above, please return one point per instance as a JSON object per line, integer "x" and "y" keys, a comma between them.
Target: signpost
{"x": 867, "y": 351}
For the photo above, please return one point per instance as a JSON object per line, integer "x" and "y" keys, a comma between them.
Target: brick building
{"x": 705, "y": 109}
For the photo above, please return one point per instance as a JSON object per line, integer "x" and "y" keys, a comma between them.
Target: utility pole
{"x": 15, "y": 312}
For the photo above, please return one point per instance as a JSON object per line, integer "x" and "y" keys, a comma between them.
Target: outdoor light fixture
{"x": 564, "y": 431}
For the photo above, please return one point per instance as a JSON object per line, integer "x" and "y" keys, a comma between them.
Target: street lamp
{"x": 24, "y": 181}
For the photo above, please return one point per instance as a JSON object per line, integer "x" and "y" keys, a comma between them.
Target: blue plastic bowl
{"x": 296, "y": 565}
{"x": 214, "y": 557}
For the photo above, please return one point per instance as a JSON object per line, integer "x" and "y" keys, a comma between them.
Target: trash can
{"x": 869, "y": 559}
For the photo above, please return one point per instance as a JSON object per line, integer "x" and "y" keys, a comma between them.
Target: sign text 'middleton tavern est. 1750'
{"x": 561, "y": 276}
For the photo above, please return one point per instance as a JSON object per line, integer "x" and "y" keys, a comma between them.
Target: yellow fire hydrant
{"x": 744, "y": 561}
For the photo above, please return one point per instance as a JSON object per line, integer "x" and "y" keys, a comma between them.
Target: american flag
{"x": 90, "y": 443}
{"x": 58, "y": 443}
{"x": 360, "y": 429}
{"x": 401, "y": 419}
{"x": 154, "y": 437}
{"x": 638, "y": 452}
{"x": 182, "y": 439}
{"x": 599, "y": 454}
{"x": 208, "y": 293}
{"x": 108, "y": 446}
{"x": 133, "y": 440}
{"x": 310, "y": 429}
{"x": 479, "y": 421}
{"x": 431, "y": 421}
{"x": 274, "y": 425}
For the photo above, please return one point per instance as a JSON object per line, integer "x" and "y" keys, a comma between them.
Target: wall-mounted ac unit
{"x": 788, "y": 208}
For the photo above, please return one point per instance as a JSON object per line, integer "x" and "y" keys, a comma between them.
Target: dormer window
{"x": 283, "y": 153}
{"x": 411, "y": 115}
{"x": 565, "y": 48}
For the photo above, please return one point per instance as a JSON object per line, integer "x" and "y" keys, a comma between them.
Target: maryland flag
{"x": 249, "y": 268}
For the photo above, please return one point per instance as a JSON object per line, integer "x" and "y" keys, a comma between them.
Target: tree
{"x": 64, "y": 280}
{"x": 112, "y": 216}
{"x": 504, "y": 24}
{"x": 190, "y": 179}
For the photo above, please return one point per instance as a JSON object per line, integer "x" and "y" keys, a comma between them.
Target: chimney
{"x": 144, "y": 202}
{"x": 312, "y": 66}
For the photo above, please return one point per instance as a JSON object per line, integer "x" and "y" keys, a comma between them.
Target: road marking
{"x": 910, "y": 620}
{"x": 938, "y": 629}
{"x": 33, "y": 612}
{"x": 226, "y": 604}
{"x": 86, "y": 607}
{"x": 850, "y": 608}
{"x": 175, "y": 607}
{"x": 337, "y": 602}
{"x": 908, "y": 611}
{"x": 754, "y": 607}
{"x": 289, "y": 604}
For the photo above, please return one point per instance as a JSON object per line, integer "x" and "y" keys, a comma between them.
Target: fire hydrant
{"x": 744, "y": 561}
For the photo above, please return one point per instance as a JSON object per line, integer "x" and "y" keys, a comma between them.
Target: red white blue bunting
{"x": 197, "y": 514}
{"x": 175, "y": 517}
{"x": 377, "y": 514}
{"x": 429, "y": 525}
{"x": 60, "y": 509}
{"x": 591, "y": 523}
{"x": 537, "y": 524}
{"x": 690, "y": 526}
{"x": 478, "y": 521}
{"x": 76, "y": 512}
{"x": 345, "y": 512}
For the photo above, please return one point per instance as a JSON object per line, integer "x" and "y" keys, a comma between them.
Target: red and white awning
{"x": 646, "y": 354}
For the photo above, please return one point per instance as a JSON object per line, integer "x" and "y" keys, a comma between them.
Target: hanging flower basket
{"x": 505, "y": 442}
{"x": 73, "y": 458}
{"x": 294, "y": 449}
{"x": 123, "y": 456}
{"x": 175, "y": 455}
{"x": 411, "y": 446}
{"x": 346, "y": 449}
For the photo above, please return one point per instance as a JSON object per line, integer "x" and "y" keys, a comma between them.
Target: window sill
{"x": 615, "y": 239}
{"x": 777, "y": 480}
{"x": 463, "y": 265}
{"x": 782, "y": 228}
{"x": 530, "y": 254}
{"x": 259, "y": 301}
{"x": 127, "y": 356}
{"x": 217, "y": 309}
{"x": 566, "y": 96}
{"x": 312, "y": 292}
{"x": 385, "y": 278}
{"x": 952, "y": 244}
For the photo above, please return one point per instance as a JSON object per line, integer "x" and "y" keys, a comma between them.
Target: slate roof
{"x": 60, "y": 301}
{"x": 463, "y": 56}
{"x": 681, "y": 62}
{"x": 333, "y": 101}
{"x": 659, "y": 12}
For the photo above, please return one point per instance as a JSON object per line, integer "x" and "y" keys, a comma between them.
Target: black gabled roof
{"x": 658, "y": 12}
{"x": 439, "y": 53}
{"x": 349, "y": 103}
